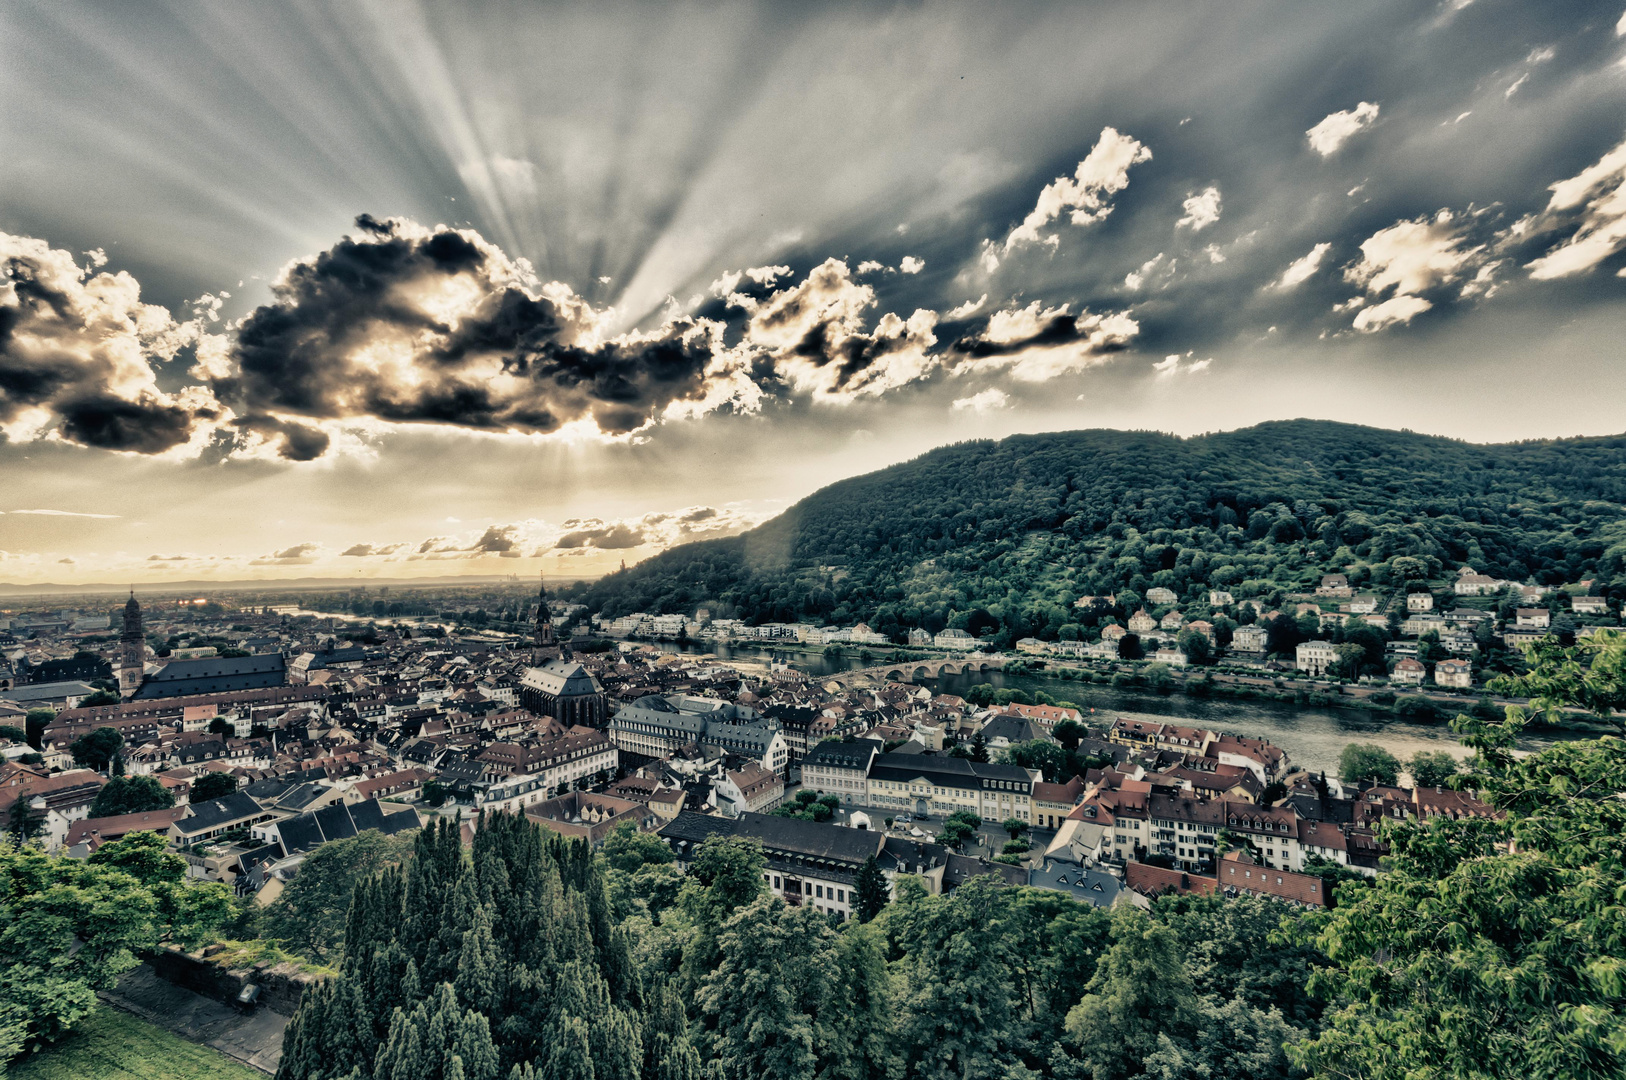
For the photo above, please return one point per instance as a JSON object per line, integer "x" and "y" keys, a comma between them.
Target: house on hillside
{"x": 1408, "y": 671}
{"x": 1458, "y": 674}
{"x": 1315, "y": 657}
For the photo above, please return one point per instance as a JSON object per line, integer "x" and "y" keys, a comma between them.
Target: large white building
{"x": 659, "y": 726}
{"x": 1315, "y": 657}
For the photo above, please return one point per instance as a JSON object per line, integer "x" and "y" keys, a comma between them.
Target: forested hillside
{"x": 1019, "y": 529}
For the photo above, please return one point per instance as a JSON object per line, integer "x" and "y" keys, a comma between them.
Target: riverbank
{"x": 1313, "y": 734}
{"x": 1415, "y": 705}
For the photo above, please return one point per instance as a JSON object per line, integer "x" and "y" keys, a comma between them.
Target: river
{"x": 1312, "y": 737}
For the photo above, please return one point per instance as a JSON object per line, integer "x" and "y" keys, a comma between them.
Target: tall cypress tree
{"x": 479, "y": 968}
{"x": 870, "y": 890}
{"x": 474, "y": 1048}
{"x": 570, "y": 1057}
{"x": 680, "y": 1062}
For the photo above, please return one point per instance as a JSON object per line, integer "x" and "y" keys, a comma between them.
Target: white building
{"x": 954, "y": 639}
{"x": 1454, "y": 673}
{"x": 1315, "y": 657}
{"x": 1408, "y": 671}
{"x": 1248, "y": 639}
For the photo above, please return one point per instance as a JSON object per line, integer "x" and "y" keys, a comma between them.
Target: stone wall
{"x": 280, "y": 985}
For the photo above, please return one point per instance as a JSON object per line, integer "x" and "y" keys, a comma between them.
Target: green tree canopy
{"x": 628, "y": 849}
{"x": 213, "y": 785}
{"x": 70, "y": 927}
{"x": 1432, "y": 768}
{"x": 1368, "y": 761}
{"x": 131, "y": 795}
{"x": 871, "y": 893}
{"x": 96, "y": 749}
{"x": 308, "y": 918}
{"x": 1141, "y": 991}
{"x": 1475, "y": 957}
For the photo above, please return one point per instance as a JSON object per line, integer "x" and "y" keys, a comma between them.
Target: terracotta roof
{"x": 1151, "y": 880}
{"x": 1238, "y": 871}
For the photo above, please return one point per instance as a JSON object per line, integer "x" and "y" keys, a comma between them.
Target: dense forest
{"x": 1009, "y": 534}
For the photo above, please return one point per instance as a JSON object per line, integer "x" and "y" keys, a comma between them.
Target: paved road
{"x": 255, "y": 1039}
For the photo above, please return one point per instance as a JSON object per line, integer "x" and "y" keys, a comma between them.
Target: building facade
{"x": 917, "y": 784}
{"x": 565, "y": 691}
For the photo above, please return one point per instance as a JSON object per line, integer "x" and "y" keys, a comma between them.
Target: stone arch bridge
{"x": 910, "y": 670}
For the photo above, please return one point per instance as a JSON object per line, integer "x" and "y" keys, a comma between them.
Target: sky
{"x": 394, "y": 289}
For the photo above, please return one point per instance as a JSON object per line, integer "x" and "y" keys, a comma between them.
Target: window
{"x": 818, "y": 890}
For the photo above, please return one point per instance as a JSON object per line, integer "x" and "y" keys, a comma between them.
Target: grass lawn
{"x": 113, "y": 1045}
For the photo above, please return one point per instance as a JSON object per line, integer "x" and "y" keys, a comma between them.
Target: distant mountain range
{"x": 1017, "y": 530}
{"x": 164, "y": 588}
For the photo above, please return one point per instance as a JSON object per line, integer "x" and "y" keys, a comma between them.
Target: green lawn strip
{"x": 114, "y": 1045}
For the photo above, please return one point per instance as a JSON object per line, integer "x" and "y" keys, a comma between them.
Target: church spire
{"x": 132, "y": 649}
{"x": 543, "y": 630}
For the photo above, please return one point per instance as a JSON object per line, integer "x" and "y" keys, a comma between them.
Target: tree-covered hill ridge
{"x": 1023, "y": 526}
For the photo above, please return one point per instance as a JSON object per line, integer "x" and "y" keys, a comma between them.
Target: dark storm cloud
{"x": 497, "y": 540}
{"x": 412, "y": 325}
{"x": 74, "y": 348}
{"x": 609, "y": 538}
{"x": 1312, "y": 173}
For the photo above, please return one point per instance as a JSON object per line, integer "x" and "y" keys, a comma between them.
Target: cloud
{"x": 1171, "y": 366}
{"x": 1303, "y": 269}
{"x": 298, "y": 555}
{"x": 1037, "y": 343}
{"x": 1593, "y": 204}
{"x": 76, "y": 347}
{"x": 59, "y": 513}
{"x": 1136, "y": 278}
{"x": 404, "y": 324}
{"x": 1514, "y": 88}
{"x": 984, "y": 401}
{"x": 1087, "y": 193}
{"x": 1202, "y": 210}
{"x": 1400, "y": 309}
{"x": 1620, "y": 27}
{"x": 1336, "y": 129}
{"x": 967, "y": 309}
{"x": 498, "y": 540}
{"x": 1410, "y": 257}
{"x": 409, "y": 324}
{"x": 612, "y": 537}
{"x": 813, "y": 336}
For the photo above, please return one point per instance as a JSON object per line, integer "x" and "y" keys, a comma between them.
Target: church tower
{"x": 132, "y": 650}
{"x": 544, "y": 646}
{"x": 543, "y": 631}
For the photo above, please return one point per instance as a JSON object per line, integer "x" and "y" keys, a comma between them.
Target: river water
{"x": 1312, "y": 737}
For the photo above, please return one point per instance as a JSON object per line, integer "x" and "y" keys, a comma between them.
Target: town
{"x": 291, "y": 731}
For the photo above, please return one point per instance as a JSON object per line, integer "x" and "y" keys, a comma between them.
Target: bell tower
{"x": 132, "y": 650}
{"x": 544, "y": 645}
